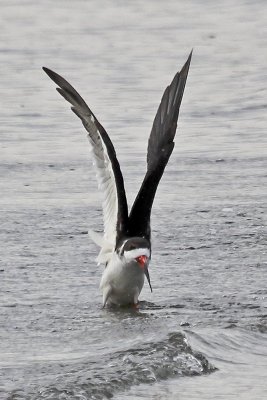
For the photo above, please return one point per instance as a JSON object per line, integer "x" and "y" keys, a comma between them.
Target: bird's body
{"x": 123, "y": 277}
{"x": 125, "y": 245}
{"x": 121, "y": 282}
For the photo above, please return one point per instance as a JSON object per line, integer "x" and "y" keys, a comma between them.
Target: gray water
{"x": 201, "y": 334}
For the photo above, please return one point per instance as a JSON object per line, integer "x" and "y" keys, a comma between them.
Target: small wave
{"x": 146, "y": 364}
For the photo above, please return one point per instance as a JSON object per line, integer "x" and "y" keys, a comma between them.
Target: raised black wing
{"x": 108, "y": 170}
{"x": 160, "y": 147}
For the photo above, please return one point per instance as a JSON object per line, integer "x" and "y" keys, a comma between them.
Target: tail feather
{"x": 96, "y": 237}
{"x": 106, "y": 250}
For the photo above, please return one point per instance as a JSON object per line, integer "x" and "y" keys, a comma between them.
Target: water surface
{"x": 201, "y": 334}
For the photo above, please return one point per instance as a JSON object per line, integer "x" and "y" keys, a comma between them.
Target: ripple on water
{"x": 148, "y": 363}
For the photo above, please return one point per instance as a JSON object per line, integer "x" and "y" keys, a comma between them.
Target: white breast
{"x": 121, "y": 282}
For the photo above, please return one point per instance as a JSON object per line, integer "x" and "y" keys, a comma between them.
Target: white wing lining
{"x": 106, "y": 166}
{"x": 107, "y": 184}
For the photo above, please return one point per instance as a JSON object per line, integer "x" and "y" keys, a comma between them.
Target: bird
{"x": 125, "y": 246}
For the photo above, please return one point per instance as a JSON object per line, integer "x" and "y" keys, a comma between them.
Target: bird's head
{"x": 137, "y": 249}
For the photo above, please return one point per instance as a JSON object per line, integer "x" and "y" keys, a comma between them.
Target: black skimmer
{"x": 125, "y": 245}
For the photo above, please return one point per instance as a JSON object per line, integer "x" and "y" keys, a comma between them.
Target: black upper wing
{"x": 160, "y": 147}
{"x": 94, "y": 128}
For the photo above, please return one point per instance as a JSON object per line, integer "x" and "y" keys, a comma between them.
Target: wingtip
{"x": 189, "y": 57}
{"x": 58, "y": 79}
{"x": 185, "y": 69}
{"x": 49, "y": 72}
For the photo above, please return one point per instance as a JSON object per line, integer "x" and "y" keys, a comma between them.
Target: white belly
{"x": 121, "y": 283}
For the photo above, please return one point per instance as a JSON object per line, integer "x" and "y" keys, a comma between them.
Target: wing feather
{"x": 109, "y": 176}
{"x": 160, "y": 147}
